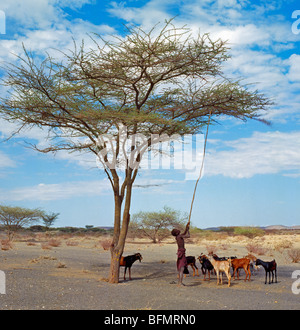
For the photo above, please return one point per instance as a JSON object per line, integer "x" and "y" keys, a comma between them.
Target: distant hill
{"x": 272, "y": 227}
{"x": 281, "y": 227}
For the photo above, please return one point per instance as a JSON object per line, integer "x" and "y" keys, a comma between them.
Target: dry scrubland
{"x": 68, "y": 271}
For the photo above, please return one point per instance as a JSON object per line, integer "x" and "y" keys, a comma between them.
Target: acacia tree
{"x": 15, "y": 217}
{"x": 157, "y": 225}
{"x": 49, "y": 219}
{"x": 159, "y": 82}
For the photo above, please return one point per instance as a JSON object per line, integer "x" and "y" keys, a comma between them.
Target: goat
{"x": 269, "y": 266}
{"x": 222, "y": 258}
{"x": 128, "y": 261}
{"x": 191, "y": 261}
{"x": 241, "y": 263}
{"x": 252, "y": 259}
{"x": 222, "y": 266}
{"x": 206, "y": 265}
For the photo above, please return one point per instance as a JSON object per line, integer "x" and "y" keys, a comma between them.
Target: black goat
{"x": 205, "y": 265}
{"x": 191, "y": 261}
{"x": 222, "y": 258}
{"x": 128, "y": 261}
{"x": 269, "y": 266}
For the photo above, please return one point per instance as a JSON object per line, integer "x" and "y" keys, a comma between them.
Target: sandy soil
{"x": 75, "y": 277}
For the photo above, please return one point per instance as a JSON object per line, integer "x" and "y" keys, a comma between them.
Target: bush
{"x": 106, "y": 243}
{"x": 54, "y": 242}
{"x": 249, "y": 232}
{"x": 294, "y": 254}
{"x": 256, "y": 249}
{"x": 211, "y": 249}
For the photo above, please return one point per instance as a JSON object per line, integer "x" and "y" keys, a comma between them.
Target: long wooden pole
{"x": 201, "y": 169}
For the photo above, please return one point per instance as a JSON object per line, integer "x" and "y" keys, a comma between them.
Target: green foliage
{"x": 157, "y": 225}
{"x": 15, "y": 217}
{"x": 250, "y": 232}
{"x": 49, "y": 219}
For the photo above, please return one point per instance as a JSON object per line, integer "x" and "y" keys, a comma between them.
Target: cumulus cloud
{"x": 294, "y": 71}
{"x": 6, "y": 161}
{"x": 262, "y": 153}
{"x": 68, "y": 190}
{"x": 58, "y": 191}
{"x": 39, "y": 14}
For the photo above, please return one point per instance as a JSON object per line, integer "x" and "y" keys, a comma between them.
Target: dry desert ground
{"x": 70, "y": 272}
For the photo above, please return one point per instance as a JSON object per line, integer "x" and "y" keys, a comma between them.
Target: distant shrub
{"x": 256, "y": 249}
{"x": 72, "y": 243}
{"x": 282, "y": 245}
{"x": 249, "y": 232}
{"x": 6, "y": 245}
{"x": 54, "y": 242}
{"x": 211, "y": 249}
{"x": 228, "y": 230}
{"x": 294, "y": 254}
{"x": 30, "y": 243}
{"x": 45, "y": 246}
{"x": 106, "y": 243}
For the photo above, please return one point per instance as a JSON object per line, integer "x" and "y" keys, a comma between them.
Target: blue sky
{"x": 252, "y": 171}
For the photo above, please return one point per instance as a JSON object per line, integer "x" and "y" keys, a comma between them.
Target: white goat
{"x": 222, "y": 266}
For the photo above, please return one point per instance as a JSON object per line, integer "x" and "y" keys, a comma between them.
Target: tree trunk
{"x": 119, "y": 238}
{"x": 115, "y": 253}
{"x": 114, "y": 266}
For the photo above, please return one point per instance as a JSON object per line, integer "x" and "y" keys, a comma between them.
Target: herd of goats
{"x": 218, "y": 265}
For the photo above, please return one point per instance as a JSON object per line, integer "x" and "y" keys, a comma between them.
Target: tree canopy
{"x": 157, "y": 225}
{"x": 15, "y": 217}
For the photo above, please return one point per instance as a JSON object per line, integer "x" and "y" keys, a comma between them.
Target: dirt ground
{"x": 74, "y": 276}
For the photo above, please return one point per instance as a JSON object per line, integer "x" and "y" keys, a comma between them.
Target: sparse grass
{"x": 211, "y": 249}
{"x": 54, "y": 242}
{"x": 31, "y": 243}
{"x": 283, "y": 245}
{"x": 6, "y": 245}
{"x": 40, "y": 258}
{"x": 106, "y": 243}
{"x": 61, "y": 265}
{"x": 256, "y": 249}
{"x": 72, "y": 243}
{"x": 294, "y": 254}
{"x": 46, "y": 246}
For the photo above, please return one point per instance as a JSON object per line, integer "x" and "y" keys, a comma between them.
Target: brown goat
{"x": 241, "y": 263}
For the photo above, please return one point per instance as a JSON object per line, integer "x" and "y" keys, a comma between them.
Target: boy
{"x": 181, "y": 259}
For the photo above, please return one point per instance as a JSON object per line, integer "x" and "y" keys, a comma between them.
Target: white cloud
{"x": 150, "y": 14}
{"x": 39, "y": 14}
{"x": 294, "y": 71}
{"x": 6, "y": 161}
{"x": 58, "y": 191}
{"x": 68, "y": 190}
{"x": 262, "y": 153}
